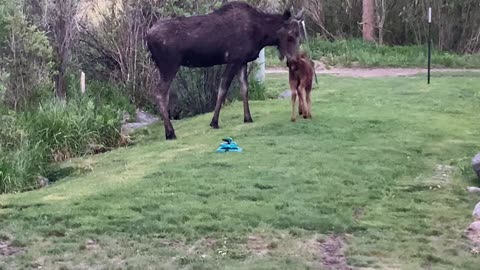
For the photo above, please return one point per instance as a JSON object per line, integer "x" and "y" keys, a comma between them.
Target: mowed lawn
{"x": 371, "y": 168}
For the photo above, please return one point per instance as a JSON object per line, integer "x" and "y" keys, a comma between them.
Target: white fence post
{"x": 260, "y": 76}
{"x": 82, "y": 83}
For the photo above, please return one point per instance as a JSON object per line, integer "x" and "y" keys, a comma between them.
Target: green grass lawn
{"x": 365, "y": 169}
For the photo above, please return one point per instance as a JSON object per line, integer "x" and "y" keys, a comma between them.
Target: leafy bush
{"x": 75, "y": 129}
{"x": 257, "y": 90}
{"x": 346, "y": 52}
{"x": 26, "y": 59}
{"x": 54, "y": 132}
{"x": 20, "y": 158}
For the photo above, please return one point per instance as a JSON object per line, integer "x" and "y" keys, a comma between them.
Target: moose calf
{"x": 300, "y": 72}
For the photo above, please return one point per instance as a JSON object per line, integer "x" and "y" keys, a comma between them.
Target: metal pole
{"x": 429, "y": 41}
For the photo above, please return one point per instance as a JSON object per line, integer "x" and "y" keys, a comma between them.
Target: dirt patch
{"x": 331, "y": 251}
{"x": 91, "y": 245}
{"x": 7, "y": 249}
{"x": 202, "y": 246}
{"x": 258, "y": 245}
{"x": 443, "y": 173}
{"x": 373, "y": 72}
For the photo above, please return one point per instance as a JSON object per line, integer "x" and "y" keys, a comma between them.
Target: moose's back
{"x": 227, "y": 35}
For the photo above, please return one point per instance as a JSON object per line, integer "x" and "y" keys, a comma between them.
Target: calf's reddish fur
{"x": 300, "y": 72}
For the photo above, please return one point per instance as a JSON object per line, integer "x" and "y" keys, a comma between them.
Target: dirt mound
{"x": 331, "y": 251}
{"x": 8, "y": 249}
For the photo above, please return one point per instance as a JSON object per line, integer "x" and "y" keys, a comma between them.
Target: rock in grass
{"x": 286, "y": 94}
{"x": 476, "y": 164}
{"x": 42, "y": 182}
{"x": 473, "y": 232}
{"x": 476, "y": 212}
{"x": 144, "y": 117}
{"x": 473, "y": 189}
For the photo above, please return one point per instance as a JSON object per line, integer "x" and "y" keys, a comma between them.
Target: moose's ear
{"x": 287, "y": 15}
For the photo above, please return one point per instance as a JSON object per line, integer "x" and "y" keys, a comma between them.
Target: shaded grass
{"x": 354, "y": 52}
{"x": 363, "y": 167}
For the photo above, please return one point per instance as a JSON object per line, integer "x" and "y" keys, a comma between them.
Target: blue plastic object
{"x": 228, "y": 145}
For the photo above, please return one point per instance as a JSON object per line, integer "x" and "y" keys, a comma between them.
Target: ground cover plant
{"x": 378, "y": 174}
{"x": 356, "y": 53}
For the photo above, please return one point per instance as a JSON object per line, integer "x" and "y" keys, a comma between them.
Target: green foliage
{"x": 20, "y": 156}
{"x": 26, "y": 61}
{"x": 101, "y": 93}
{"x": 355, "y": 52}
{"x": 194, "y": 91}
{"x": 54, "y": 132}
{"x": 75, "y": 129}
{"x": 257, "y": 90}
{"x": 346, "y": 52}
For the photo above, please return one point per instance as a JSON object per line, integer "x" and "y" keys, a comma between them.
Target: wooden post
{"x": 82, "y": 83}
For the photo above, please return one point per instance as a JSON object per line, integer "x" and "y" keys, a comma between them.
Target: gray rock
{"x": 476, "y": 164}
{"x": 126, "y": 117}
{"x": 42, "y": 182}
{"x": 144, "y": 117}
{"x": 473, "y": 189}
{"x": 131, "y": 127}
{"x": 286, "y": 94}
{"x": 476, "y": 212}
{"x": 473, "y": 232}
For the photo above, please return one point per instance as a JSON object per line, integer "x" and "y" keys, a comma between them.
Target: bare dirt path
{"x": 373, "y": 72}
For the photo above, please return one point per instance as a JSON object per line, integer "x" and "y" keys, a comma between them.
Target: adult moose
{"x": 233, "y": 35}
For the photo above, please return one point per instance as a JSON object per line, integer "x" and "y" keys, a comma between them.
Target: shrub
{"x": 257, "y": 90}
{"x": 54, "y": 132}
{"x": 20, "y": 158}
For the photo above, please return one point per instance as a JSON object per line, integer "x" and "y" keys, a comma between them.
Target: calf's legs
{"x": 294, "y": 92}
{"x": 303, "y": 101}
{"x": 309, "y": 105}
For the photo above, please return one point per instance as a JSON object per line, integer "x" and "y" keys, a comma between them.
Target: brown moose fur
{"x": 300, "y": 74}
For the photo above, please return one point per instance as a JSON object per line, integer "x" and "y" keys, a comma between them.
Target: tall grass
{"x": 56, "y": 131}
{"x": 355, "y": 52}
{"x": 20, "y": 158}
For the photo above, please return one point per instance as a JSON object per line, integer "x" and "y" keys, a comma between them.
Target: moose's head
{"x": 289, "y": 34}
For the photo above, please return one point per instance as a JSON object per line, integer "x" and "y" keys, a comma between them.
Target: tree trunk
{"x": 63, "y": 31}
{"x": 381, "y": 13}
{"x": 60, "y": 85}
{"x": 368, "y": 20}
